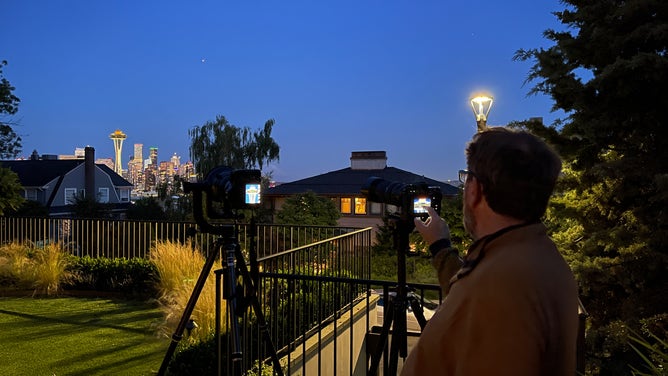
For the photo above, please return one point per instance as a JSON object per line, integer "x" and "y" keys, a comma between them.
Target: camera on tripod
{"x": 232, "y": 189}
{"x": 227, "y": 190}
{"x": 412, "y": 199}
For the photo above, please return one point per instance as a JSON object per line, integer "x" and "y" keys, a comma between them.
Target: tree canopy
{"x": 308, "y": 209}
{"x": 10, "y": 142}
{"x": 219, "y": 143}
{"x": 10, "y": 146}
{"x": 10, "y": 191}
{"x": 146, "y": 208}
{"x": 608, "y": 71}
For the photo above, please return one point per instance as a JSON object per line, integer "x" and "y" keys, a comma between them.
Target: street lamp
{"x": 481, "y": 105}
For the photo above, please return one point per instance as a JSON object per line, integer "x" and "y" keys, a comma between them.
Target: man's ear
{"x": 475, "y": 190}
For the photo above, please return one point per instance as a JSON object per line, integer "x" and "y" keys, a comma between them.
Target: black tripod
{"x": 395, "y": 309}
{"x": 236, "y": 299}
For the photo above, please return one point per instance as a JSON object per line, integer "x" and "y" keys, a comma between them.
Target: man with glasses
{"x": 511, "y": 303}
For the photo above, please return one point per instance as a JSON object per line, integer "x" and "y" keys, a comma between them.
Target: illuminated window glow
{"x": 346, "y": 205}
{"x": 360, "y": 205}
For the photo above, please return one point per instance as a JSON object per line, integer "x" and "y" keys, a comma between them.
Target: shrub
{"x": 135, "y": 277}
{"x": 195, "y": 359}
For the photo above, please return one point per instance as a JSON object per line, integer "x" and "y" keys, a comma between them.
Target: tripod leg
{"x": 418, "y": 312}
{"x": 190, "y": 306}
{"x": 382, "y": 340}
{"x": 230, "y": 294}
{"x": 399, "y": 342}
{"x": 251, "y": 290}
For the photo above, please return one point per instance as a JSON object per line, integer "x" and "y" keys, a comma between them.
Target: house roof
{"x": 37, "y": 173}
{"x": 117, "y": 179}
{"x": 349, "y": 181}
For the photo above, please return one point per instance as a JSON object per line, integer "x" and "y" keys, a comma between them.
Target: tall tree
{"x": 220, "y": 143}
{"x": 10, "y": 142}
{"x": 608, "y": 71}
{"x": 10, "y": 146}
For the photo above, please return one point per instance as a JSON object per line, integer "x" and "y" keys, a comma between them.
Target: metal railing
{"x": 319, "y": 303}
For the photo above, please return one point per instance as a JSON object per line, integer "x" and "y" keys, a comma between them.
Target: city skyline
{"x": 336, "y": 77}
{"x": 78, "y": 153}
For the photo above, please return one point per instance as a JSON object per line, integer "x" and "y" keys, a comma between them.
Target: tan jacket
{"x": 514, "y": 313}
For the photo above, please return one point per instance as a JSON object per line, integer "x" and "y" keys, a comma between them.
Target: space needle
{"x": 118, "y": 136}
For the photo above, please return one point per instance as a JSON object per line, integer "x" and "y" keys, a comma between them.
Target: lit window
{"x": 360, "y": 205}
{"x": 346, "y": 205}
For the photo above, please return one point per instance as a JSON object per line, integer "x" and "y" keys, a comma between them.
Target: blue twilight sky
{"x": 337, "y": 76}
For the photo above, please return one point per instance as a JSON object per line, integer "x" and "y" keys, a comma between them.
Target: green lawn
{"x": 77, "y": 336}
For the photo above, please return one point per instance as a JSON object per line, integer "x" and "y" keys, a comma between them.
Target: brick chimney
{"x": 368, "y": 160}
{"x": 89, "y": 171}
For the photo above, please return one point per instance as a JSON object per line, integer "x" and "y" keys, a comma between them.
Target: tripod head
{"x": 227, "y": 192}
{"x": 226, "y": 230}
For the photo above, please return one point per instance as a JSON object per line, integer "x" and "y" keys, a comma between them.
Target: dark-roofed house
{"x": 56, "y": 183}
{"x": 344, "y": 188}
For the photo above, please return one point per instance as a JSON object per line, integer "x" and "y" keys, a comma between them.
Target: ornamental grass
{"x": 179, "y": 267}
{"x": 43, "y": 269}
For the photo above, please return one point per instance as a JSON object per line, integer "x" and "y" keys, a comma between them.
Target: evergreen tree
{"x": 11, "y": 196}
{"x": 10, "y": 142}
{"x": 608, "y": 72}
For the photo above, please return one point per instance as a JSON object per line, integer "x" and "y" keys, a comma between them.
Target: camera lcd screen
{"x": 419, "y": 204}
{"x": 252, "y": 194}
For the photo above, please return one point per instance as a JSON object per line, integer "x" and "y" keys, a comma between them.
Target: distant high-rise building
{"x": 176, "y": 161}
{"x": 153, "y": 155}
{"x": 139, "y": 152}
{"x": 105, "y": 161}
{"x": 187, "y": 171}
{"x": 117, "y": 137}
{"x": 151, "y": 170}
{"x": 78, "y": 154}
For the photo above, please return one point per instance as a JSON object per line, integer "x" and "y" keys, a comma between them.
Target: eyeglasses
{"x": 464, "y": 175}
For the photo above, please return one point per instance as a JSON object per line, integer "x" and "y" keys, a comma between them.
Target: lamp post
{"x": 481, "y": 105}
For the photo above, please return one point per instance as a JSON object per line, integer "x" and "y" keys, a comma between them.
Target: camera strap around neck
{"x": 470, "y": 263}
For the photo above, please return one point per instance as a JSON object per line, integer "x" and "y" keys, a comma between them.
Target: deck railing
{"x": 320, "y": 307}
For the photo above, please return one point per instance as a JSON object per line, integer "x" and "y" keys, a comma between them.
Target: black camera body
{"x": 233, "y": 189}
{"x": 410, "y": 198}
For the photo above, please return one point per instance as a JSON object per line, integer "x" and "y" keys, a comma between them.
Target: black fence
{"x": 128, "y": 238}
{"x": 321, "y": 309}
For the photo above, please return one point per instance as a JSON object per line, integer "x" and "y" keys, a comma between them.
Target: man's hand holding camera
{"x": 434, "y": 231}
